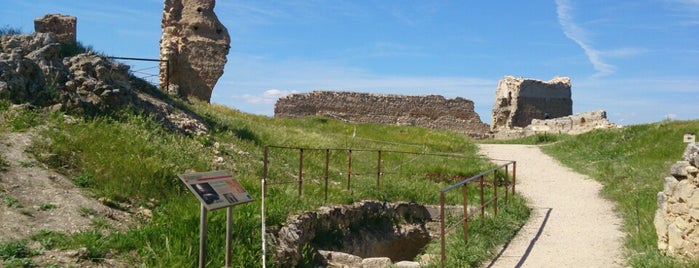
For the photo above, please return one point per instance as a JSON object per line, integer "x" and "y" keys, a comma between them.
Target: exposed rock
{"x": 677, "y": 217}
{"x": 195, "y": 44}
{"x": 62, "y": 26}
{"x": 432, "y": 111}
{"x": 519, "y": 100}
{"x": 31, "y": 71}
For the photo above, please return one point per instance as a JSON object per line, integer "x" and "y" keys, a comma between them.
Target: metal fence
{"x": 316, "y": 164}
{"x": 480, "y": 179}
{"x": 149, "y": 72}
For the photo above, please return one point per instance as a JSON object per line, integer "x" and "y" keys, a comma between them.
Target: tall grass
{"x": 132, "y": 158}
{"x": 631, "y": 164}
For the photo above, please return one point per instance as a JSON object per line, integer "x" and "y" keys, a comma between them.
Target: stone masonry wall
{"x": 519, "y": 100}
{"x": 677, "y": 218}
{"x": 64, "y": 27}
{"x": 432, "y": 111}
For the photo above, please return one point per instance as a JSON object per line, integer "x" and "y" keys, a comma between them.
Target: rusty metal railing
{"x": 300, "y": 177}
{"x": 480, "y": 179}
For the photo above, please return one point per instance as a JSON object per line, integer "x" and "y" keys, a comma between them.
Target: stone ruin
{"x": 432, "y": 111}
{"x": 194, "y": 46}
{"x": 363, "y": 234}
{"x": 525, "y": 107}
{"x": 677, "y": 218}
{"x": 62, "y": 26}
{"x": 519, "y": 100}
{"x": 34, "y": 75}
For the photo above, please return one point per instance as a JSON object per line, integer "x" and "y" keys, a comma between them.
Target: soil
{"x": 34, "y": 198}
{"x": 571, "y": 224}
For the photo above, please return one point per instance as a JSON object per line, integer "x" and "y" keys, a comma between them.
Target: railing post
{"x": 495, "y": 193}
{"x": 507, "y": 183}
{"x": 265, "y": 167}
{"x": 465, "y": 201}
{"x": 378, "y": 172}
{"x": 327, "y": 172}
{"x": 514, "y": 176}
{"x": 442, "y": 234}
{"x": 349, "y": 170}
{"x": 300, "y": 171}
{"x": 482, "y": 201}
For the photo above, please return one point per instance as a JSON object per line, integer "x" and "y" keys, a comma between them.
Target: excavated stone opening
{"x": 367, "y": 229}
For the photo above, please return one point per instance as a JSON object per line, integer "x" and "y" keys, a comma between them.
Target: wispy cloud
{"x": 686, "y": 10}
{"x": 579, "y": 36}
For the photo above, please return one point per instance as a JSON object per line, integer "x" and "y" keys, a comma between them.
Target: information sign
{"x": 216, "y": 189}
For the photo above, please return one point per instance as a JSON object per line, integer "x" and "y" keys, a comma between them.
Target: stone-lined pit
{"x": 366, "y": 229}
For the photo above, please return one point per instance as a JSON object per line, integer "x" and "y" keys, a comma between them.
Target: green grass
{"x": 130, "y": 157}
{"x": 631, "y": 164}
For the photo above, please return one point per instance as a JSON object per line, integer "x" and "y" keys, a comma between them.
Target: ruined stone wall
{"x": 677, "y": 218}
{"x": 64, "y": 27}
{"x": 518, "y": 101}
{"x": 573, "y": 124}
{"x": 432, "y": 111}
{"x": 195, "y": 44}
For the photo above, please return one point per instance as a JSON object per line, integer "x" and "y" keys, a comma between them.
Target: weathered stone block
{"x": 407, "y": 264}
{"x": 669, "y": 185}
{"x": 679, "y": 170}
{"x": 675, "y": 240}
{"x": 376, "y": 263}
{"x": 684, "y": 190}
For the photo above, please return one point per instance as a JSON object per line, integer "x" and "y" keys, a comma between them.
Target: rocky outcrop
{"x": 677, "y": 218}
{"x": 194, "y": 45}
{"x": 518, "y": 101}
{"x": 32, "y": 72}
{"x": 62, "y": 26}
{"x": 432, "y": 111}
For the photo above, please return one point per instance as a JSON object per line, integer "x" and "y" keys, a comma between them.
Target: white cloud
{"x": 269, "y": 96}
{"x": 579, "y": 36}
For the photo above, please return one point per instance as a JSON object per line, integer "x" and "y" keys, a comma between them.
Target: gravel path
{"x": 571, "y": 225}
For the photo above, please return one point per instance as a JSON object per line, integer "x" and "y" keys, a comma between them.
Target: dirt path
{"x": 571, "y": 225}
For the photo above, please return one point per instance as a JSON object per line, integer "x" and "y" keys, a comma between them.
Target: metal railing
{"x": 376, "y": 171}
{"x": 480, "y": 179}
{"x": 145, "y": 74}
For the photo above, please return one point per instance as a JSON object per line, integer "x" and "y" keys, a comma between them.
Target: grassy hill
{"x": 631, "y": 164}
{"x": 129, "y": 160}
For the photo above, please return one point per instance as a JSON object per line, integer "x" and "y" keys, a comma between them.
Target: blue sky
{"x": 637, "y": 59}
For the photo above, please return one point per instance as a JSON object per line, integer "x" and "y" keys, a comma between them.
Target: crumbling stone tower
{"x": 194, "y": 46}
{"x": 519, "y": 100}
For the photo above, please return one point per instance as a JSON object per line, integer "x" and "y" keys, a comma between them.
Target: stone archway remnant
{"x": 194, "y": 46}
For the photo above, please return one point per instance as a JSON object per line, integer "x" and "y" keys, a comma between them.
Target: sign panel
{"x": 216, "y": 189}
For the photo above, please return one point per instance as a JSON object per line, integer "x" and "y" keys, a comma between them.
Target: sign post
{"x": 215, "y": 189}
